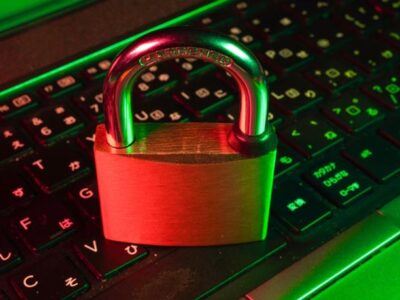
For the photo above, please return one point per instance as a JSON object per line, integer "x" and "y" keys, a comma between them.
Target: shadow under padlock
{"x": 185, "y": 184}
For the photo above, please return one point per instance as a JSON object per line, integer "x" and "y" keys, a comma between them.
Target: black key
{"x": 53, "y": 123}
{"x": 285, "y": 55}
{"x": 86, "y": 139}
{"x": 60, "y": 87}
{"x": 232, "y": 113}
{"x": 86, "y": 197}
{"x": 106, "y": 258}
{"x": 191, "y": 67}
{"x": 54, "y": 167}
{"x": 334, "y": 75}
{"x": 54, "y": 278}
{"x": 204, "y": 96}
{"x": 273, "y": 23}
{"x": 156, "y": 79}
{"x": 160, "y": 109}
{"x": 241, "y": 33}
{"x": 17, "y": 105}
{"x": 97, "y": 70}
{"x": 296, "y": 206}
{"x": 14, "y": 190}
{"x": 13, "y": 143}
{"x": 391, "y": 131}
{"x": 246, "y": 8}
{"x": 311, "y": 136}
{"x": 389, "y": 7}
{"x": 294, "y": 94}
{"x": 91, "y": 102}
{"x": 374, "y": 156}
{"x": 45, "y": 224}
{"x": 353, "y": 111}
{"x": 371, "y": 56}
{"x": 391, "y": 34}
{"x": 324, "y": 36}
{"x": 361, "y": 17}
{"x": 286, "y": 160}
{"x": 309, "y": 11}
{"x": 338, "y": 181}
{"x": 9, "y": 256}
{"x": 385, "y": 89}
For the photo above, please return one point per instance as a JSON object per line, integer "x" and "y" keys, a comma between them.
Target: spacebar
{"x": 331, "y": 261}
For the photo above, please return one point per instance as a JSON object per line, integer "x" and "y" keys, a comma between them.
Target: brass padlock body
{"x": 183, "y": 185}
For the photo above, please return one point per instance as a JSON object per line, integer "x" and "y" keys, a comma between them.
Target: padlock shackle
{"x": 173, "y": 43}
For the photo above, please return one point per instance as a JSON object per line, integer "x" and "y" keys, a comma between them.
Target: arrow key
{"x": 106, "y": 258}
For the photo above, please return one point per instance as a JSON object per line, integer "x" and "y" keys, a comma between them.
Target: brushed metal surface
{"x": 182, "y": 184}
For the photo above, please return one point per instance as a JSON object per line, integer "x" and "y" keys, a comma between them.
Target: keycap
{"x": 376, "y": 157}
{"x": 91, "y": 102}
{"x": 191, "y": 67}
{"x": 241, "y": 33}
{"x": 371, "y": 56}
{"x": 53, "y": 278}
{"x": 156, "y": 80}
{"x": 385, "y": 89}
{"x": 14, "y": 190}
{"x": 325, "y": 36}
{"x": 294, "y": 94}
{"x": 86, "y": 139}
{"x": 309, "y": 11}
{"x": 13, "y": 143}
{"x": 298, "y": 207}
{"x": 273, "y": 23}
{"x": 391, "y": 131}
{"x": 97, "y": 70}
{"x": 45, "y": 223}
{"x": 106, "y": 258}
{"x": 285, "y": 55}
{"x": 361, "y": 17}
{"x": 17, "y": 105}
{"x": 54, "y": 167}
{"x": 338, "y": 181}
{"x": 246, "y": 8}
{"x": 53, "y": 123}
{"x": 85, "y": 195}
{"x": 391, "y": 34}
{"x": 61, "y": 86}
{"x": 389, "y": 7}
{"x": 161, "y": 108}
{"x": 286, "y": 160}
{"x": 9, "y": 256}
{"x": 204, "y": 96}
{"x": 334, "y": 75}
{"x": 311, "y": 136}
{"x": 353, "y": 111}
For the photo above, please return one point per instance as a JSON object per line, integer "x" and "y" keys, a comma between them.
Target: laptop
{"x": 333, "y": 72}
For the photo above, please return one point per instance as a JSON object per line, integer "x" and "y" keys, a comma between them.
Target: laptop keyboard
{"x": 334, "y": 80}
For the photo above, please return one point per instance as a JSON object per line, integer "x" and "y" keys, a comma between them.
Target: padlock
{"x": 185, "y": 184}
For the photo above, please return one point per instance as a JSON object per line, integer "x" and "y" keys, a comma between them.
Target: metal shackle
{"x": 249, "y": 133}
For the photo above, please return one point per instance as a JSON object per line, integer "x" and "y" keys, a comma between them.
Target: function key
{"x": 204, "y": 96}
{"x": 309, "y": 11}
{"x": 54, "y": 167}
{"x": 13, "y": 143}
{"x": 9, "y": 255}
{"x": 338, "y": 181}
{"x": 17, "y": 105}
{"x": 156, "y": 79}
{"x": 294, "y": 94}
{"x": 14, "y": 190}
{"x": 298, "y": 207}
{"x": 97, "y": 70}
{"x": 311, "y": 136}
{"x": 44, "y": 224}
{"x": 286, "y": 160}
{"x": 285, "y": 55}
{"x": 353, "y": 111}
{"x": 374, "y": 156}
{"x": 86, "y": 197}
{"x": 334, "y": 75}
{"x": 53, "y": 278}
{"x": 91, "y": 102}
{"x": 324, "y": 36}
{"x": 106, "y": 258}
{"x": 60, "y": 87}
{"x": 51, "y": 124}
{"x": 385, "y": 89}
{"x": 371, "y": 56}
